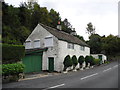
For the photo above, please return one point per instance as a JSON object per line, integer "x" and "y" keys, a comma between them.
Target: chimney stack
{"x": 59, "y": 26}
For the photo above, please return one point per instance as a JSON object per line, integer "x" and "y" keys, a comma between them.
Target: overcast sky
{"x": 102, "y": 13}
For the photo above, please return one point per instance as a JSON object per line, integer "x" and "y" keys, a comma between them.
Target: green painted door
{"x": 51, "y": 64}
{"x": 33, "y": 63}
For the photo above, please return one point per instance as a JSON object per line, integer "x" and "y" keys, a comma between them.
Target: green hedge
{"x": 87, "y": 60}
{"x": 81, "y": 59}
{"x": 74, "y": 61}
{"x": 97, "y": 61}
{"x": 12, "y": 53}
{"x": 12, "y": 69}
{"x": 91, "y": 60}
{"x": 67, "y": 62}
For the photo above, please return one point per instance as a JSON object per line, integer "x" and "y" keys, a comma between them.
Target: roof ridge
{"x": 63, "y": 35}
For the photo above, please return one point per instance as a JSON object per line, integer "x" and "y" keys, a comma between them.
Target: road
{"x": 104, "y": 76}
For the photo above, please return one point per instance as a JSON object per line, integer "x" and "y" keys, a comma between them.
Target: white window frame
{"x": 82, "y": 48}
{"x": 36, "y": 41}
{"x": 47, "y": 43}
{"x": 28, "y": 46}
{"x": 70, "y": 45}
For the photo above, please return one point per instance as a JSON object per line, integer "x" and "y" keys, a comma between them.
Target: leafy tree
{"x": 67, "y": 62}
{"x": 66, "y": 26}
{"x": 80, "y": 37}
{"x": 95, "y": 43}
{"x": 81, "y": 59}
{"x": 74, "y": 61}
{"x": 90, "y": 29}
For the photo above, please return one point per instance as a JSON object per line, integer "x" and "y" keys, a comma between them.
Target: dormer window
{"x": 28, "y": 45}
{"x": 48, "y": 41}
{"x": 36, "y": 43}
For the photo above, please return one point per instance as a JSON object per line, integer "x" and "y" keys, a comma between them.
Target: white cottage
{"x": 58, "y": 43}
{"x": 102, "y": 57}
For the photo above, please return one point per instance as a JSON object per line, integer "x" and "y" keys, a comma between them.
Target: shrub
{"x": 91, "y": 60}
{"x": 12, "y": 69}
{"x": 97, "y": 61}
{"x": 67, "y": 62}
{"x": 87, "y": 60}
{"x": 81, "y": 59}
{"x": 74, "y": 61}
{"x": 12, "y": 53}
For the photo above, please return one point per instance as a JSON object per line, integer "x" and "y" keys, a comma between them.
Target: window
{"x": 70, "y": 45}
{"x": 27, "y": 44}
{"x": 82, "y": 48}
{"x": 48, "y": 41}
{"x": 37, "y": 44}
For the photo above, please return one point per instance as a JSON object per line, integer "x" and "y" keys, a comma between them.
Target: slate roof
{"x": 64, "y": 36}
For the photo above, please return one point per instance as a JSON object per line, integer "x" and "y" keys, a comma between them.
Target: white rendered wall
{"x": 64, "y": 51}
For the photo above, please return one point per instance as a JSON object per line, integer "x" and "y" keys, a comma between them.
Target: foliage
{"x": 91, "y": 60}
{"x": 67, "y": 62}
{"x": 80, "y": 37}
{"x": 87, "y": 60}
{"x": 81, "y": 59}
{"x": 74, "y": 61}
{"x": 12, "y": 69}
{"x": 95, "y": 43}
{"x": 97, "y": 61}
{"x": 90, "y": 28}
{"x": 18, "y": 22}
{"x": 12, "y": 53}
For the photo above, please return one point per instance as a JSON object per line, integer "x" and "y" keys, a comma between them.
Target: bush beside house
{"x": 11, "y": 72}
{"x": 74, "y": 61}
{"x": 67, "y": 62}
{"x": 86, "y": 61}
{"x": 11, "y": 55}
{"x": 81, "y": 59}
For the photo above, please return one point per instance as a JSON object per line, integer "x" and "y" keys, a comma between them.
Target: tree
{"x": 90, "y": 29}
{"x": 67, "y": 62}
{"x": 54, "y": 17}
{"x": 81, "y": 59}
{"x": 80, "y": 37}
{"x": 110, "y": 44}
{"x": 66, "y": 26}
{"x": 74, "y": 61}
{"x": 95, "y": 43}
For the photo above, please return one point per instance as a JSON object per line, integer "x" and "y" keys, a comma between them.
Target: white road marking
{"x": 89, "y": 76}
{"x": 54, "y": 86}
{"x": 115, "y": 66}
{"x": 107, "y": 69}
{"x": 57, "y": 86}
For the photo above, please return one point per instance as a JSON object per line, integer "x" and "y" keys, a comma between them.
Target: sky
{"x": 102, "y": 13}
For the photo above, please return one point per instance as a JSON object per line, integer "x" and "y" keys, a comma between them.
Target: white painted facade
{"x": 96, "y": 56}
{"x": 56, "y": 48}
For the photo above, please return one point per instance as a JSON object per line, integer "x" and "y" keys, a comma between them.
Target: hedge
{"x": 91, "y": 60}
{"x": 74, "y": 61}
{"x": 87, "y": 60}
{"x": 67, "y": 62}
{"x": 12, "y": 53}
{"x": 81, "y": 59}
{"x": 97, "y": 61}
{"x": 12, "y": 69}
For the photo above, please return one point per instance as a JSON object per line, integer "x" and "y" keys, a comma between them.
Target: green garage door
{"x": 33, "y": 63}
